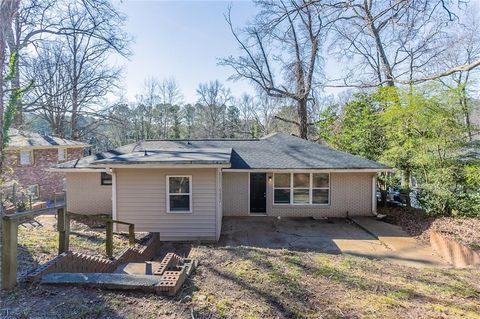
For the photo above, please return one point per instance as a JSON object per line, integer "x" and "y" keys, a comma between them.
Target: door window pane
{"x": 301, "y": 196}
{"x": 282, "y": 180}
{"x": 179, "y": 185}
{"x": 26, "y": 157}
{"x": 320, "y": 180}
{"x": 320, "y": 196}
{"x": 62, "y": 154}
{"x": 282, "y": 196}
{"x": 179, "y": 203}
{"x": 301, "y": 180}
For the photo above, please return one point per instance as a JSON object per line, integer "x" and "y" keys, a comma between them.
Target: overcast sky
{"x": 182, "y": 39}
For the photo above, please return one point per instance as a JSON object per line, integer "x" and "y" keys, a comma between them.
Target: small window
{"x": 106, "y": 179}
{"x": 26, "y": 157}
{"x": 179, "y": 194}
{"x": 34, "y": 191}
{"x": 62, "y": 154}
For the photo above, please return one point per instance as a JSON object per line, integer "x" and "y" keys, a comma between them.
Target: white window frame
{"x": 190, "y": 195}
{"x": 37, "y": 190}
{"x": 60, "y": 150}
{"x": 31, "y": 159}
{"x": 310, "y": 189}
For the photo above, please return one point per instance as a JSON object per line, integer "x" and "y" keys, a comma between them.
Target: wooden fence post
{"x": 131, "y": 235}
{"x": 9, "y": 253}
{"x": 63, "y": 227}
{"x": 109, "y": 239}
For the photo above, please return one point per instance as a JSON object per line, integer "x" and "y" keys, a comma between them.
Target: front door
{"x": 258, "y": 193}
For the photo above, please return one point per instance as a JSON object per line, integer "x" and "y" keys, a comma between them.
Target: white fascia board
{"x": 77, "y": 170}
{"x": 163, "y": 166}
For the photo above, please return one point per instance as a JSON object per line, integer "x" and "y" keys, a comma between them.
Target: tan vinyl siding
{"x": 350, "y": 192}
{"x": 85, "y": 194}
{"x": 235, "y": 194}
{"x": 141, "y": 199}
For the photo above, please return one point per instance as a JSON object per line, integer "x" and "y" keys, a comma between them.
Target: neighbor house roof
{"x": 275, "y": 151}
{"x": 23, "y": 140}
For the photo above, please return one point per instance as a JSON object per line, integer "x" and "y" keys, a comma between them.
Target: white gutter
{"x": 163, "y": 166}
{"x": 77, "y": 170}
{"x": 269, "y": 170}
{"x": 374, "y": 195}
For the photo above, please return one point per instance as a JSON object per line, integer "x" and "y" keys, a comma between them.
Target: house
{"x": 183, "y": 188}
{"x": 30, "y": 155}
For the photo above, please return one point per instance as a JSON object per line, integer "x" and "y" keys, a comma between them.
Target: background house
{"x": 29, "y": 155}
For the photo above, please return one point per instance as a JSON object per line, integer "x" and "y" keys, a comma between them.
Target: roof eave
{"x": 162, "y": 165}
{"x": 336, "y": 170}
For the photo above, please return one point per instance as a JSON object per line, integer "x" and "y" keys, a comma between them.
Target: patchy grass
{"x": 249, "y": 282}
{"x": 38, "y": 241}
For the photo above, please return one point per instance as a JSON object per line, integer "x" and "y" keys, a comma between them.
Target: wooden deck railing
{"x": 10, "y": 224}
{"x": 109, "y": 230}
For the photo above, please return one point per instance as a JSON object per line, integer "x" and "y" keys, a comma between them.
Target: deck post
{"x": 63, "y": 227}
{"x": 131, "y": 235}
{"x": 9, "y": 253}
{"x": 109, "y": 239}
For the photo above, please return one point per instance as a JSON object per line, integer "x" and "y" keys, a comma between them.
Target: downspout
{"x": 112, "y": 172}
{"x": 374, "y": 195}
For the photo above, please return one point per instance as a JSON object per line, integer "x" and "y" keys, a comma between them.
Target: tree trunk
{"x": 74, "y": 119}
{"x": 386, "y": 68}
{"x": 302, "y": 118}
{"x": 15, "y": 47}
{"x": 74, "y": 125}
{"x": 466, "y": 113}
{"x": 405, "y": 184}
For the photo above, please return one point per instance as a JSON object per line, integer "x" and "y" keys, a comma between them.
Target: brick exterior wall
{"x": 37, "y": 174}
{"x": 350, "y": 193}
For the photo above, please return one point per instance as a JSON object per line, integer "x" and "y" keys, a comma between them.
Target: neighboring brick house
{"x": 29, "y": 157}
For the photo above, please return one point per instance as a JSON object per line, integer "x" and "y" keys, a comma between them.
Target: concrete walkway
{"x": 403, "y": 248}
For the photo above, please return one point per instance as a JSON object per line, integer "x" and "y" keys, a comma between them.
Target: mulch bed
{"x": 416, "y": 223}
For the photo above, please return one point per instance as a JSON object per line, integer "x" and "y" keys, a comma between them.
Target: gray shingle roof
{"x": 24, "y": 140}
{"x": 276, "y": 151}
{"x": 171, "y": 156}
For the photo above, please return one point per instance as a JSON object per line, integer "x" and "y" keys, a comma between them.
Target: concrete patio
{"x": 334, "y": 236}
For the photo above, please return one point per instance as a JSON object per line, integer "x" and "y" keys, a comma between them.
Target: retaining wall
{"x": 71, "y": 262}
{"x": 457, "y": 254}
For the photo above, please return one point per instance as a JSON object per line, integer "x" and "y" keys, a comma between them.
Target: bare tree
{"x": 463, "y": 48}
{"x": 393, "y": 42}
{"x": 8, "y": 11}
{"x": 213, "y": 98}
{"x": 50, "y": 96}
{"x": 91, "y": 76}
{"x": 246, "y": 107}
{"x": 170, "y": 97}
{"x": 281, "y": 52}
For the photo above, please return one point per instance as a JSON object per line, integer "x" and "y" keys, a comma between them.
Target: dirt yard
{"x": 252, "y": 282}
{"x": 414, "y": 222}
{"x": 241, "y": 282}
